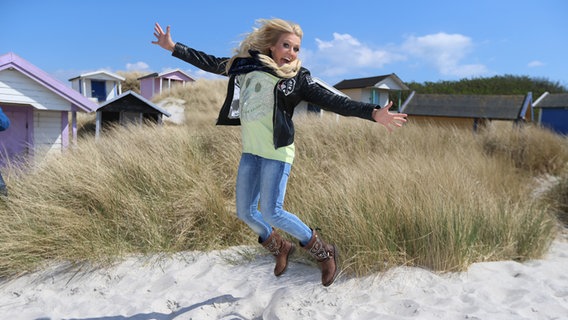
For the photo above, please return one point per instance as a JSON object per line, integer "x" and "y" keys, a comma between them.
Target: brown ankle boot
{"x": 281, "y": 249}
{"x": 326, "y": 255}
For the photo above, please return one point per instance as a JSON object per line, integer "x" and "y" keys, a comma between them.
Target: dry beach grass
{"x": 440, "y": 198}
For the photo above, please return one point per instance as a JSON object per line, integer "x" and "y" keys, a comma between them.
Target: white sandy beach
{"x": 198, "y": 285}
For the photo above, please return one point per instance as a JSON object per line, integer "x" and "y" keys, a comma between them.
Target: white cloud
{"x": 445, "y": 52}
{"x": 535, "y": 64}
{"x": 137, "y": 66}
{"x": 344, "y": 54}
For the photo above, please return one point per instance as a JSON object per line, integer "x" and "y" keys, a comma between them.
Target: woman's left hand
{"x": 389, "y": 119}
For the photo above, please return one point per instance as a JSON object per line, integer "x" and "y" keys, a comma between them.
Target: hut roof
{"x": 371, "y": 82}
{"x": 499, "y": 107}
{"x": 554, "y": 100}
{"x": 100, "y": 75}
{"x": 132, "y": 102}
{"x": 175, "y": 73}
{"x": 13, "y": 61}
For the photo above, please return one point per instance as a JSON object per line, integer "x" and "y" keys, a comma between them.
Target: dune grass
{"x": 426, "y": 196}
{"x": 440, "y": 198}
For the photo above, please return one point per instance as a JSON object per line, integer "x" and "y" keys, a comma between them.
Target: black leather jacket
{"x": 288, "y": 92}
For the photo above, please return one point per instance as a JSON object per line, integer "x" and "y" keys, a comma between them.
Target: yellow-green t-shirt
{"x": 256, "y": 104}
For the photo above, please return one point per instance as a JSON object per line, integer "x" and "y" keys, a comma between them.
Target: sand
{"x": 198, "y": 285}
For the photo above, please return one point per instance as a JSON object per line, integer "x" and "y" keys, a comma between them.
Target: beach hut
{"x": 42, "y": 110}
{"x": 128, "y": 108}
{"x": 305, "y": 108}
{"x": 156, "y": 83}
{"x": 100, "y": 86}
{"x": 553, "y": 111}
{"x": 372, "y": 89}
{"x": 468, "y": 111}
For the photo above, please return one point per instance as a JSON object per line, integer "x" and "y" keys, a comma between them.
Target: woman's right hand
{"x": 163, "y": 39}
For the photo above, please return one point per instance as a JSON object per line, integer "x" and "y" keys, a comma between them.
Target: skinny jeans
{"x": 262, "y": 181}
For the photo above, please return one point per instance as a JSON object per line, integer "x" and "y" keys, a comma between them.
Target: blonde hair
{"x": 262, "y": 38}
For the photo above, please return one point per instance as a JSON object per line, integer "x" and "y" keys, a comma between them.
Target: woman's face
{"x": 286, "y": 49}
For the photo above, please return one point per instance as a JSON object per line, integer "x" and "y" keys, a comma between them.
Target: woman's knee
{"x": 244, "y": 215}
{"x": 274, "y": 216}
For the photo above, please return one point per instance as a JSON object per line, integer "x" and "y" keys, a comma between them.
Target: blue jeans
{"x": 263, "y": 181}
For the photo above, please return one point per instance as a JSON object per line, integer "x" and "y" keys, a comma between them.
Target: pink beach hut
{"x": 42, "y": 111}
{"x": 156, "y": 83}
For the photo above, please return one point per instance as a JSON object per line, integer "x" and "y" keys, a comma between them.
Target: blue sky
{"x": 418, "y": 40}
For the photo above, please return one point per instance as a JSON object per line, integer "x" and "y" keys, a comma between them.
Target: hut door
{"x": 98, "y": 90}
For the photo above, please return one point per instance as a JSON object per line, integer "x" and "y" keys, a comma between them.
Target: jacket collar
{"x": 249, "y": 64}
